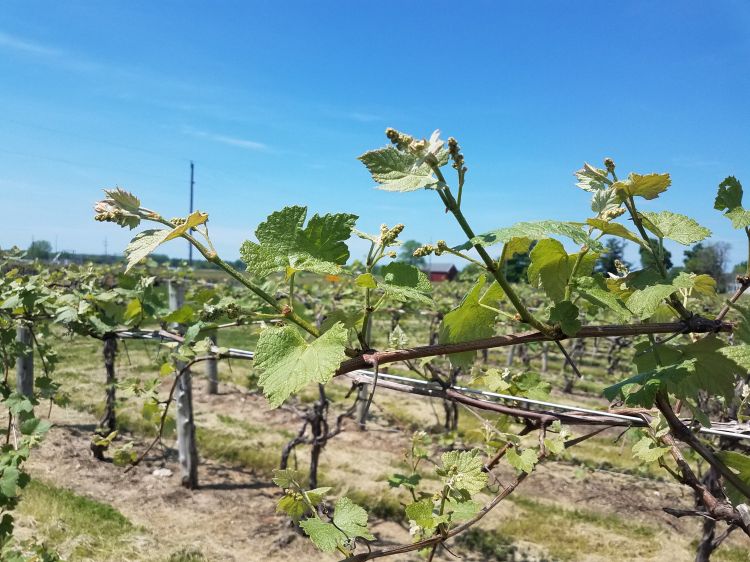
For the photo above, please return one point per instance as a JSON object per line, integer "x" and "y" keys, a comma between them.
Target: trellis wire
{"x": 739, "y": 431}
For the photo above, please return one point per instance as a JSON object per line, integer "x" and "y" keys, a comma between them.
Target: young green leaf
{"x": 524, "y": 462}
{"x": 283, "y": 245}
{"x": 288, "y": 363}
{"x": 648, "y": 451}
{"x": 534, "y": 231}
{"x": 594, "y": 289}
{"x": 592, "y": 179}
{"x": 566, "y": 314}
{"x": 195, "y": 219}
{"x": 349, "y": 522}
{"x": 462, "y": 471}
{"x": 404, "y": 282}
{"x": 395, "y": 170}
{"x": 550, "y": 267}
{"x": 675, "y": 226}
{"x": 740, "y": 465}
{"x": 143, "y": 244}
{"x": 473, "y": 319}
{"x": 648, "y": 186}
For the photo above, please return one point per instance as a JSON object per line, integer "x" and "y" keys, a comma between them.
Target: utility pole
{"x": 192, "y": 184}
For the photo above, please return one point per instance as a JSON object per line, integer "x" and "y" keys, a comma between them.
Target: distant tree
{"x": 516, "y": 268}
{"x": 614, "y": 250}
{"x": 647, "y": 260}
{"x": 740, "y": 268}
{"x": 710, "y": 258}
{"x": 40, "y": 250}
{"x": 407, "y": 253}
{"x": 470, "y": 272}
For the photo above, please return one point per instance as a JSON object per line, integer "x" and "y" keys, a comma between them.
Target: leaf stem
{"x": 489, "y": 263}
{"x": 214, "y": 258}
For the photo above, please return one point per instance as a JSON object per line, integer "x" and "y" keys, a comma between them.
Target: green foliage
{"x": 534, "y": 231}
{"x": 462, "y": 473}
{"x": 296, "y": 351}
{"x": 648, "y": 186}
{"x": 284, "y": 245}
{"x": 406, "y": 253}
{"x": 675, "y": 226}
{"x": 404, "y": 282}
{"x": 473, "y": 319}
{"x": 740, "y": 465}
{"x": 565, "y": 313}
{"x": 39, "y": 250}
{"x": 614, "y": 252}
{"x": 348, "y": 523}
{"x": 288, "y": 363}
{"x": 395, "y": 170}
{"x": 552, "y": 267}
{"x": 524, "y": 462}
{"x": 729, "y": 200}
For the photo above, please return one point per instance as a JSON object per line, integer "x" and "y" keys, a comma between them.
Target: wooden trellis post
{"x": 363, "y": 395}
{"x": 212, "y": 367}
{"x": 109, "y": 420}
{"x": 186, "y": 447}
{"x": 25, "y": 361}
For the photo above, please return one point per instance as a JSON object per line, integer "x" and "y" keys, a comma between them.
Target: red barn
{"x": 441, "y": 271}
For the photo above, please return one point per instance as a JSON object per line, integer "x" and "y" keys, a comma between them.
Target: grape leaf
{"x": 594, "y": 289}
{"x": 605, "y": 200}
{"x": 288, "y": 363}
{"x": 524, "y": 462}
{"x": 534, "y": 231}
{"x": 566, "y": 314}
{"x": 192, "y": 221}
{"x": 592, "y": 179}
{"x": 143, "y": 244}
{"x": 648, "y": 186}
{"x": 550, "y": 267}
{"x": 349, "y": 521}
{"x": 9, "y": 481}
{"x": 729, "y": 195}
{"x": 395, "y": 170}
{"x": 124, "y": 199}
{"x": 644, "y": 450}
{"x": 644, "y": 302}
{"x": 740, "y": 465}
{"x": 470, "y": 320}
{"x": 284, "y": 245}
{"x": 614, "y": 229}
{"x": 675, "y": 226}
{"x": 462, "y": 510}
{"x": 706, "y": 365}
{"x": 729, "y": 200}
{"x": 405, "y": 282}
{"x": 462, "y": 471}
{"x": 422, "y": 513}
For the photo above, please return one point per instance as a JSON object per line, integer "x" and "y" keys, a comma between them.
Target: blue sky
{"x": 274, "y": 101}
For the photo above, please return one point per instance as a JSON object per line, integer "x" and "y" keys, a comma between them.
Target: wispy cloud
{"x": 363, "y": 117}
{"x": 246, "y": 144}
{"x": 14, "y": 43}
{"x": 47, "y": 53}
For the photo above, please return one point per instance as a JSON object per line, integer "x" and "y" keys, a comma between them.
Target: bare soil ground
{"x": 564, "y": 510}
{"x": 232, "y": 516}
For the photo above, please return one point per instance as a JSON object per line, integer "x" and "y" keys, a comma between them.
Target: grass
{"x": 606, "y": 536}
{"x": 260, "y": 457}
{"x": 727, "y": 553}
{"x": 492, "y": 545}
{"x": 78, "y": 527}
